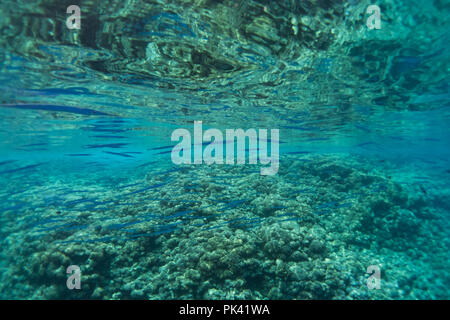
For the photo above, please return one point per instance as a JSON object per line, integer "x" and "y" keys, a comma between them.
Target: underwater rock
{"x": 317, "y": 247}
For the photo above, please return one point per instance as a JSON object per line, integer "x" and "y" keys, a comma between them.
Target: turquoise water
{"x": 87, "y": 177}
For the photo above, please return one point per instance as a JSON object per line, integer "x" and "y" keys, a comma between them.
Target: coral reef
{"x": 308, "y": 233}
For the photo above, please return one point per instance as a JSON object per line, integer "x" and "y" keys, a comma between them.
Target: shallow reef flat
{"x": 226, "y": 232}
{"x": 86, "y": 176}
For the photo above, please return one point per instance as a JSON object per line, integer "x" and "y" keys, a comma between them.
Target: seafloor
{"x": 221, "y": 232}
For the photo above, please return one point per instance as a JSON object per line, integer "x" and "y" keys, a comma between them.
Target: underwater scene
{"x": 224, "y": 149}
